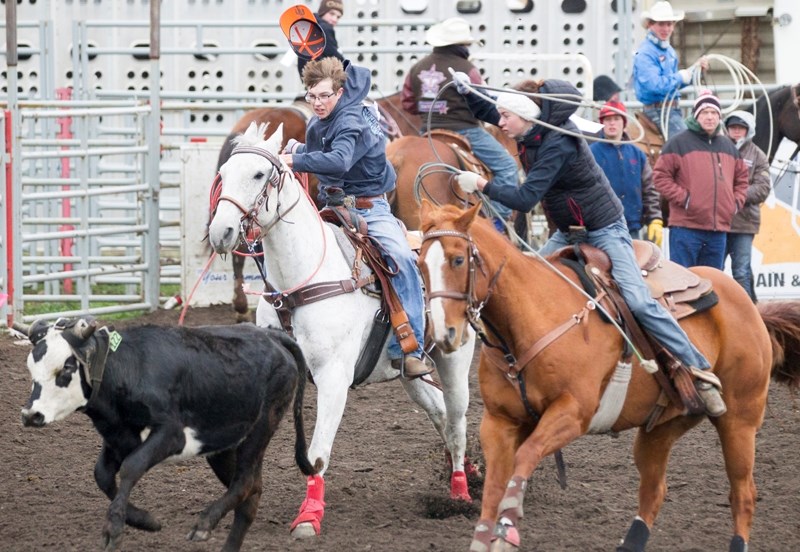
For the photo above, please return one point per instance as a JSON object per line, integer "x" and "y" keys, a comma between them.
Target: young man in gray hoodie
{"x": 346, "y": 149}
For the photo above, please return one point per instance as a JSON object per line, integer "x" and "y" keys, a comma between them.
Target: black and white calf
{"x": 170, "y": 393}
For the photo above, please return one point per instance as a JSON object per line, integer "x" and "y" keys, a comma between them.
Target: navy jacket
{"x": 631, "y": 178}
{"x": 561, "y": 170}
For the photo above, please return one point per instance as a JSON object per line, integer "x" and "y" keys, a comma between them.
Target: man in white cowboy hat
{"x": 656, "y": 78}
{"x": 421, "y": 94}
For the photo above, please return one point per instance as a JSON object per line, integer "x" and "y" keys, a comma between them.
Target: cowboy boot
{"x": 711, "y": 397}
{"x": 411, "y": 367}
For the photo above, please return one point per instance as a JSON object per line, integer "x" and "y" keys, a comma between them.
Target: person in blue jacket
{"x": 656, "y": 78}
{"x": 563, "y": 175}
{"x": 346, "y": 149}
{"x": 630, "y": 175}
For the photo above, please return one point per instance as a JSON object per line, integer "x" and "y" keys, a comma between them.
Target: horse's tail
{"x": 300, "y": 447}
{"x": 783, "y": 323}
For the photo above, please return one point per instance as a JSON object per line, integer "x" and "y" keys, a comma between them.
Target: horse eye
{"x": 458, "y": 261}
{"x": 259, "y": 175}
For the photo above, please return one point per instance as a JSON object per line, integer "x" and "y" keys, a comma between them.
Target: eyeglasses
{"x": 311, "y": 98}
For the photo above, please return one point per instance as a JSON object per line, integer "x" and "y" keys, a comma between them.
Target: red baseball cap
{"x": 609, "y": 108}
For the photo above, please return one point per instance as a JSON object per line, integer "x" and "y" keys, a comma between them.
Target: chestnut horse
{"x": 422, "y": 171}
{"x": 475, "y": 275}
{"x": 294, "y": 126}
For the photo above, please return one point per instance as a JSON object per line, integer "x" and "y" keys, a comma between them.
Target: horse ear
{"x": 252, "y": 130}
{"x": 468, "y": 217}
{"x": 425, "y": 209}
{"x": 276, "y": 139}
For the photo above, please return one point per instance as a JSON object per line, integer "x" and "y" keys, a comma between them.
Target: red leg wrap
{"x": 312, "y": 510}
{"x": 458, "y": 487}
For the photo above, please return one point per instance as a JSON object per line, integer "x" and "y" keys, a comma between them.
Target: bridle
{"x": 469, "y": 296}
{"x": 249, "y": 220}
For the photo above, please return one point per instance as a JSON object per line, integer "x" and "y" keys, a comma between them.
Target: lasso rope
{"x": 743, "y": 80}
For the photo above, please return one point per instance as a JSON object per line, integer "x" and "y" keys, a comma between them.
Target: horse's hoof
{"x": 304, "y": 531}
{"x": 482, "y": 537}
{"x": 458, "y": 487}
{"x": 503, "y": 546}
{"x": 737, "y": 544}
{"x": 197, "y": 535}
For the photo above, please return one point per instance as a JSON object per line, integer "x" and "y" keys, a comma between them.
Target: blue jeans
{"x": 675, "y": 122}
{"x": 382, "y": 225}
{"x": 615, "y": 240}
{"x": 740, "y": 248}
{"x": 504, "y": 169}
{"x": 693, "y": 247}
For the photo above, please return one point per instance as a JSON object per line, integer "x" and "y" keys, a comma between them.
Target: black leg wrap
{"x": 737, "y": 544}
{"x": 636, "y": 539}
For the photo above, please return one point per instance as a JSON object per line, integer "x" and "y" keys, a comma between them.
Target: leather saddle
{"x": 467, "y": 161}
{"x": 372, "y": 265}
{"x": 652, "y": 141}
{"x": 679, "y": 290}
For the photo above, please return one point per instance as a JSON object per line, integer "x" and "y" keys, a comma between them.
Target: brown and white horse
{"x": 474, "y": 274}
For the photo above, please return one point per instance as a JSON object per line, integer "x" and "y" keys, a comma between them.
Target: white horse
{"x": 300, "y": 249}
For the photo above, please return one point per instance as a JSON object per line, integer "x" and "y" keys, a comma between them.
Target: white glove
{"x": 291, "y": 146}
{"x": 462, "y": 82}
{"x": 686, "y": 75}
{"x": 468, "y": 181}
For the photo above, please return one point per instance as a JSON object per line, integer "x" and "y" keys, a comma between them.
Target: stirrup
{"x": 411, "y": 367}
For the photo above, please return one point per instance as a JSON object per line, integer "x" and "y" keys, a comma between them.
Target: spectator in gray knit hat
{"x": 328, "y": 16}
{"x": 741, "y": 126}
{"x": 704, "y": 179}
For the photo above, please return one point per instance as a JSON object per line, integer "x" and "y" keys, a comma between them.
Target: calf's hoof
{"x": 198, "y": 535}
{"x": 244, "y": 317}
{"x": 110, "y": 542}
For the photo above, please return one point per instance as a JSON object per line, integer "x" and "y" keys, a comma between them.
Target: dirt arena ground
{"x": 386, "y": 476}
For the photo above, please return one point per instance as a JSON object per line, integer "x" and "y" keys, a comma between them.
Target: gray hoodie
{"x": 748, "y": 219}
{"x": 348, "y": 149}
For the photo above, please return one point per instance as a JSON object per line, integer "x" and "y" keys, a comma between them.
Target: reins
{"x": 475, "y": 306}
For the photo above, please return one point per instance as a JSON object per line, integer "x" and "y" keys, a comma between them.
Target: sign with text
{"x": 776, "y": 248}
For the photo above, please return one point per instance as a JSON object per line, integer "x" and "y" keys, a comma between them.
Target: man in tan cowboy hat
{"x": 421, "y": 94}
{"x": 656, "y": 78}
